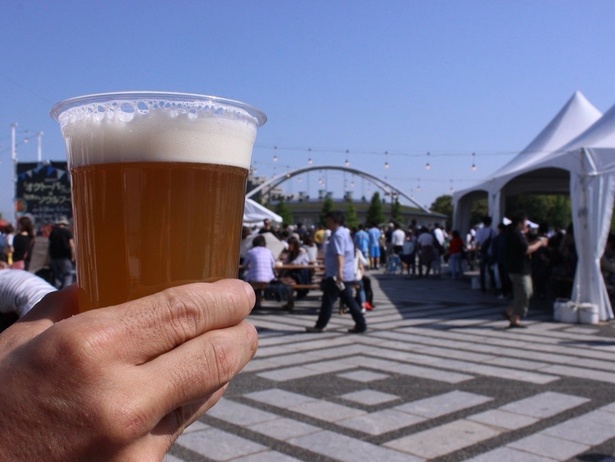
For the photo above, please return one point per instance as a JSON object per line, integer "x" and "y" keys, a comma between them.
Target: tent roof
{"x": 255, "y": 213}
{"x": 598, "y": 142}
{"x": 600, "y": 135}
{"x": 574, "y": 118}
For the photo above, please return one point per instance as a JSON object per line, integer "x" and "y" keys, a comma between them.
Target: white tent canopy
{"x": 254, "y": 213}
{"x": 584, "y": 167}
{"x": 590, "y": 159}
{"x": 577, "y": 115}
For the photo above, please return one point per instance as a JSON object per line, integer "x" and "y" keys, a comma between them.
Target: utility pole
{"x": 39, "y": 137}
{"x": 14, "y": 160}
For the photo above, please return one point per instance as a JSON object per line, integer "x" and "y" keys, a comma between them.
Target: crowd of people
{"x": 514, "y": 261}
{"x": 17, "y": 248}
{"x": 20, "y": 290}
{"x": 150, "y": 349}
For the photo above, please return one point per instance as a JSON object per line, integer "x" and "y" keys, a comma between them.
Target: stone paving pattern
{"x": 437, "y": 377}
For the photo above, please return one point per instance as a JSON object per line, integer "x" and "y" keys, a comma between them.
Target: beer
{"x": 158, "y": 191}
{"x": 154, "y": 225}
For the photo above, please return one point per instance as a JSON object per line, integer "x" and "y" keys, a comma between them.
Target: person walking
{"x": 518, "y": 253}
{"x": 61, "y": 253}
{"x": 339, "y": 276}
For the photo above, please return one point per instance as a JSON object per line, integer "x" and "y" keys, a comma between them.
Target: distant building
{"x": 308, "y": 212}
{"x": 306, "y": 209}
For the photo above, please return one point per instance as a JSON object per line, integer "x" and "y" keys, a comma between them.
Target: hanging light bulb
{"x": 473, "y": 161}
{"x": 275, "y": 158}
{"x": 347, "y": 163}
{"x": 427, "y": 166}
{"x": 310, "y": 161}
{"x": 386, "y": 165}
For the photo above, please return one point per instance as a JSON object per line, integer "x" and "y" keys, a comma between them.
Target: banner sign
{"x": 43, "y": 191}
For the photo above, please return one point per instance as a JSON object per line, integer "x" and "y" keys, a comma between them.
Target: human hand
{"x": 119, "y": 383}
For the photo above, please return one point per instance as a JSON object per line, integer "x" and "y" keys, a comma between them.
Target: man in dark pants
{"x": 499, "y": 257}
{"x": 339, "y": 276}
{"x": 484, "y": 237}
{"x": 518, "y": 253}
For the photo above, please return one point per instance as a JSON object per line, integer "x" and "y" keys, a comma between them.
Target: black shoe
{"x": 356, "y": 330}
{"x": 314, "y": 330}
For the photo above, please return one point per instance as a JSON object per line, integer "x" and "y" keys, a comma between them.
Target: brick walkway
{"x": 437, "y": 377}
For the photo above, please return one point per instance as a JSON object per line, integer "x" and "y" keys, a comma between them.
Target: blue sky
{"x": 448, "y": 77}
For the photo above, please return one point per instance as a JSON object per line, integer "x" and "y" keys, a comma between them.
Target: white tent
{"x": 576, "y": 116}
{"x": 254, "y": 213}
{"x": 590, "y": 161}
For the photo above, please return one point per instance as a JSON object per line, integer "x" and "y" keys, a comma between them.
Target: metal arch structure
{"x": 380, "y": 183}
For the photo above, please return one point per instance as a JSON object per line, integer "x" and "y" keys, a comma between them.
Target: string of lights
{"x": 383, "y": 152}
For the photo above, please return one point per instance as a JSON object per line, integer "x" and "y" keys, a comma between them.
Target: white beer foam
{"x": 147, "y": 131}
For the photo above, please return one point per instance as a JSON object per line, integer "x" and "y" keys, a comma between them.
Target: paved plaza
{"x": 437, "y": 377}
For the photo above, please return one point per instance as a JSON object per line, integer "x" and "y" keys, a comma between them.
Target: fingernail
{"x": 250, "y": 293}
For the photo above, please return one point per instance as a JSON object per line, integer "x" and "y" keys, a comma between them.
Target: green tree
{"x": 327, "y": 206}
{"x": 282, "y": 209}
{"x": 478, "y": 210}
{"x": 444, "y": 205}
{"x": 554, "y": 210}
{"x": 374, "y": 214}
{"x": 352, "y": 221}
{"x": 396, "y": 214}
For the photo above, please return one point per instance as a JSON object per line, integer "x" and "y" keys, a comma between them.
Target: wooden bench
{"x": 317, "y": 275}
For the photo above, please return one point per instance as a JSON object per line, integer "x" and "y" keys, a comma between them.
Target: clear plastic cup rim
{"x": 58, "y": 109}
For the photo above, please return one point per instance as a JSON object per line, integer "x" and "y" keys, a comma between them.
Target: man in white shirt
{"x": 397, "y": 239}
